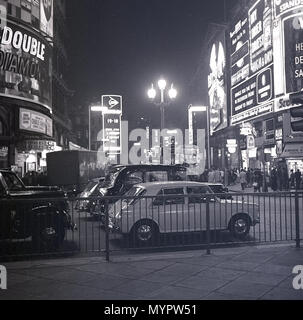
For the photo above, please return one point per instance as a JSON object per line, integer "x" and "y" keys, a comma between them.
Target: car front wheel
{"x": 48, "y": 235}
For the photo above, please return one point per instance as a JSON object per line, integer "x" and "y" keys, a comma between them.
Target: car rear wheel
{"x": 240, "y": 226}
{"x": 145, "y": 233}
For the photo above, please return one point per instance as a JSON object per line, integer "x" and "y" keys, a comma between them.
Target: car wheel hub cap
{"x": 240, "y": 226}
{"x": 49, "y": 233}
{"x": 144, "y": 232}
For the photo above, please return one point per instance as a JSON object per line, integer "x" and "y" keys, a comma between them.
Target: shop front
{"x": 293, "y": 155}
{"x": 34, "y": 141}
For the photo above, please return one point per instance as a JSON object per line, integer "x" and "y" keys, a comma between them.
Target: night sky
{"x": 121, "y": 46}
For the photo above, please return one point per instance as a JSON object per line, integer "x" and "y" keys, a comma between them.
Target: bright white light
{"x": 152, "y": 93}
{"x": 98, "y": 109}
{"x": 197, "y": 109}
{"x": 172, "y": 92}
{"x": 162, "y": 84}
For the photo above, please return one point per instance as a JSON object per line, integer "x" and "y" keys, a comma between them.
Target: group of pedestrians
{"x": 282, "y": 181}
{"x": 215, "y": 175}
{"x": 251, "y": 178}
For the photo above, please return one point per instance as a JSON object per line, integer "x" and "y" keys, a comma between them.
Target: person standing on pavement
{"x": 273, "y": 179}
{"x": 217, "y": 176}
{"x": 292, "y": 179}
{"x": 243, "y": 180}
{"x": 211, "y": 176}
{"x": 298, "y": 176}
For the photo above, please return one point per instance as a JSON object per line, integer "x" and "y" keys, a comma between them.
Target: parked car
{"x": 37, "y": 212}
{"x": 172, "y": 207}
{"x": 85, "y": 201}
{"x": 122, "y": 178}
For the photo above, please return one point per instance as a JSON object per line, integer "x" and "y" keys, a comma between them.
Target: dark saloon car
{"x": 122, "y": 178}
{"x": 37, "y": 212}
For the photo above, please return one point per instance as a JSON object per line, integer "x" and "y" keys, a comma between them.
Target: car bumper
{"x": 255, "y": 221}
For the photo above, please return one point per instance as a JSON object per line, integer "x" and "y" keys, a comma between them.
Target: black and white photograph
{"x": 151, "y": 153}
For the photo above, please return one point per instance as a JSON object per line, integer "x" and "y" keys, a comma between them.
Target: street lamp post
{"x": 152, "y": 94}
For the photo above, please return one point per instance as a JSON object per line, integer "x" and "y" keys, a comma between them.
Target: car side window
{"x": 159, "y": 200}
{"x": 174, "y": 196}
{"x": 169, "y": 197}
{"x": 197, "y": 194}
{"x": 153, "y": 176}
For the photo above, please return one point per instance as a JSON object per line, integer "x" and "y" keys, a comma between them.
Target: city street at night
{"x": 142, "y": 133}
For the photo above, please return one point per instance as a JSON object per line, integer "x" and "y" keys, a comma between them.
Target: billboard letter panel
{"x": 25, "y": 65}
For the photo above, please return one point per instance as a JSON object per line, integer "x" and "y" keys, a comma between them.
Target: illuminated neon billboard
{"x": 25, "y": 50}
{"x": 252, "y": 79}
{"x": 288, "y": 47}
{"x": 217, "y": 79}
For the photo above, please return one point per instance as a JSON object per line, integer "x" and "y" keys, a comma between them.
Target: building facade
{"x": 33, "y": 106}
{"x": 254, "y": 61}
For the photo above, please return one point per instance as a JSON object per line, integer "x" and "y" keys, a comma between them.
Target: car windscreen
{"x": 90, "y": 187}
{"x": 12, "y": 181}
{"x": 110, "y": 178}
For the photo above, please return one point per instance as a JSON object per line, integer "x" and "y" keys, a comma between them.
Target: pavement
{"x": 243, "y": 273}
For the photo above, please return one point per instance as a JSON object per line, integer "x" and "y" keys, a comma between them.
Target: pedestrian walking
{"x": 211, "y": 176}
{"x": 298, "y": 177}
{"x": 273, "y": 179}
{"x": 257, "y": 181}
{"x": 243, "y": 180}
{"x": 217, "y": 177}
{"x": 292, "y": 179}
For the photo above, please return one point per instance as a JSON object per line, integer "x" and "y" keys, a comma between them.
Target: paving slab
{"x": 245, "y": 289}
{"x": 184, "y": 268}
{"x": 138, "y": 287}
{"x": 220, "y": 273}
{"x": 239, "y": 265}
{"x": 279, "y": 293}
{"x": 200, "y": 283}
{"x": 174, "y": 293}
{"x": 272, "y": 268}
{"x": 263, "y": 278}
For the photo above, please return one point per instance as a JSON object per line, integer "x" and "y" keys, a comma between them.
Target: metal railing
{"x": 135, "y": 224}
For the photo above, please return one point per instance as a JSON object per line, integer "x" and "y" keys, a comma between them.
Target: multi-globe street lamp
{"x": 172, "y": 95}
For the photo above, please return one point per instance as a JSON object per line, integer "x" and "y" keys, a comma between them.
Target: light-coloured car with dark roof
{"x": 149, "y": 209}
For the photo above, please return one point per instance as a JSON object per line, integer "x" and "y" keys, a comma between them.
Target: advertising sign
{"x": 112, "y": 102}
{"x": 25, "y": 64}
{"x": 35, "y": 122}
{"x": 46, "y": 17}
{"x": 282, "y": 7}
{"x": 288, "y": 48}
{"x": 293, "y": 38}
{"x": 112, "y": 133}
{"x": 252, "y": 63}
{"x": 217, "y": 82}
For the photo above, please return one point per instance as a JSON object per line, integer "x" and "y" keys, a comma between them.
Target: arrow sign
{"x": 112, "y": 102}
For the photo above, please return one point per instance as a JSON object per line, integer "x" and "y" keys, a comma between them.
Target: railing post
{"x": 297, "y": 219}
{"x": 207, "y": 226}
{"x": 106, "y": 230}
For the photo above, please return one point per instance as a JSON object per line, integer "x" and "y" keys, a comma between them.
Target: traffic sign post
{"x": 112, "y": 125}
